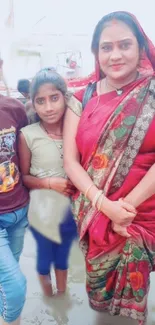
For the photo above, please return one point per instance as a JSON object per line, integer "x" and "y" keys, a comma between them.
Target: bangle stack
{"x": 88, "y": 189}
{"x": 99, "y": 204}
{"x": 96, "y": 198}
{"x": 96, "y": 203}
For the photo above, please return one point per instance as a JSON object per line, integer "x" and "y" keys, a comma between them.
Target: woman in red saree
{"x": 109, "y": 155}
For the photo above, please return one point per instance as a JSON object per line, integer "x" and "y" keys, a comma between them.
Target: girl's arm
{"x": 144, "y": 189}
{"x": 58, "y": 184}
{"x": 29, "y": 181}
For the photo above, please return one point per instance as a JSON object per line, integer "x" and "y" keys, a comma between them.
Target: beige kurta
{"x": 47, "y": 207}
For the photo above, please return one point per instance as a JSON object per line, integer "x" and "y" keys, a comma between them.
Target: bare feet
{"x": 61, "y": 281}
{"x": 45, "y": 281}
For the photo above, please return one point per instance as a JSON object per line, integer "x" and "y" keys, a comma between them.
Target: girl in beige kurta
{"x": 41, "y": 155}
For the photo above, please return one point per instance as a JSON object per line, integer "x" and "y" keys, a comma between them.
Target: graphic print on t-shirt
{"x": 9, "y": 173}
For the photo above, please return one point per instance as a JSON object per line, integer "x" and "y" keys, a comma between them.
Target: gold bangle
{"x": 97, "y": 196}
{"x": 100, "y": 203}
{"x": 88, "y": 189}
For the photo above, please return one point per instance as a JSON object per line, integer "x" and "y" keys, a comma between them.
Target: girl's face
{"x": 118, "y": 51}
{"x": 49, "y": 104}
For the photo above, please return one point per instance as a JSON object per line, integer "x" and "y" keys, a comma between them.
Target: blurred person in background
{"x": 23, "y": 87}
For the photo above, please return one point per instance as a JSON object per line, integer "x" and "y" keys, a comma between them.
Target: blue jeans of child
{"x": 12, "y": 281}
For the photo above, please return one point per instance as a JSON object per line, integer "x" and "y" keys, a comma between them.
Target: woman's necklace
{"x": 118, "y": 91}
{"x": 59, "y": 147}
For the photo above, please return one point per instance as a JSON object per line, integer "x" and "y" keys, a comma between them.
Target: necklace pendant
{"x": 119, "y": 92}
{"x": 60, "y": 146}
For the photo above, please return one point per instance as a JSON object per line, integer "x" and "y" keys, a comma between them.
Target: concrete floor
{"x": 73, "y": 309}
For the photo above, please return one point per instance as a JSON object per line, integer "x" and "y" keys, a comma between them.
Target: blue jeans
{"x": 12, "y": 281}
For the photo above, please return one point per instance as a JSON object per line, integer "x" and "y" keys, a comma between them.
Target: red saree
{"x": 117, "y": 148}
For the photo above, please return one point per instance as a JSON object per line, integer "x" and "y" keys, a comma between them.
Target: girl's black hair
{"x": 47, "y": 75}
{"x": 125, "y": 18}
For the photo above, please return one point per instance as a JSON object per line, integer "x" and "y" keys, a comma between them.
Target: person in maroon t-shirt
{"x": 14, "y": 199}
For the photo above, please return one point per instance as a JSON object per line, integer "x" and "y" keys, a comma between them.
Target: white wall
{"x": 71, "y": 22}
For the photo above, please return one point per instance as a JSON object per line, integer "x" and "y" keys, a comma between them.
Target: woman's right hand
{"x": 61, "y": 185}
{"x": 120, "y": 212}
{"x": 121, "y": 230}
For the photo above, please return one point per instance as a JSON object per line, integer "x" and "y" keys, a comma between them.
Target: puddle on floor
{"x": 73, "y": 308}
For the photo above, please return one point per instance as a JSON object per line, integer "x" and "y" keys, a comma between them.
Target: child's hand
{"x": 62, "y": 185}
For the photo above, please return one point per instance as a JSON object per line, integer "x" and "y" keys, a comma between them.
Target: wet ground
{"x": 73, "y": 309}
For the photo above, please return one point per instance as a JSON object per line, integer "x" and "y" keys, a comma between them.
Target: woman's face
{"x": 118, "y": 53}
{"x": 49, "y": 104}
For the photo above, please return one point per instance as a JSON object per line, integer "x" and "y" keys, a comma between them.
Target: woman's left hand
{"x": 121, "y": 230}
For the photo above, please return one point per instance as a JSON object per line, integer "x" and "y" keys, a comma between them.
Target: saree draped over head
{"x": 117, "y": 145}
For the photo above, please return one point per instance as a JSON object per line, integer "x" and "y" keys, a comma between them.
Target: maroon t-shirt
{"x": 13, "y": 195}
